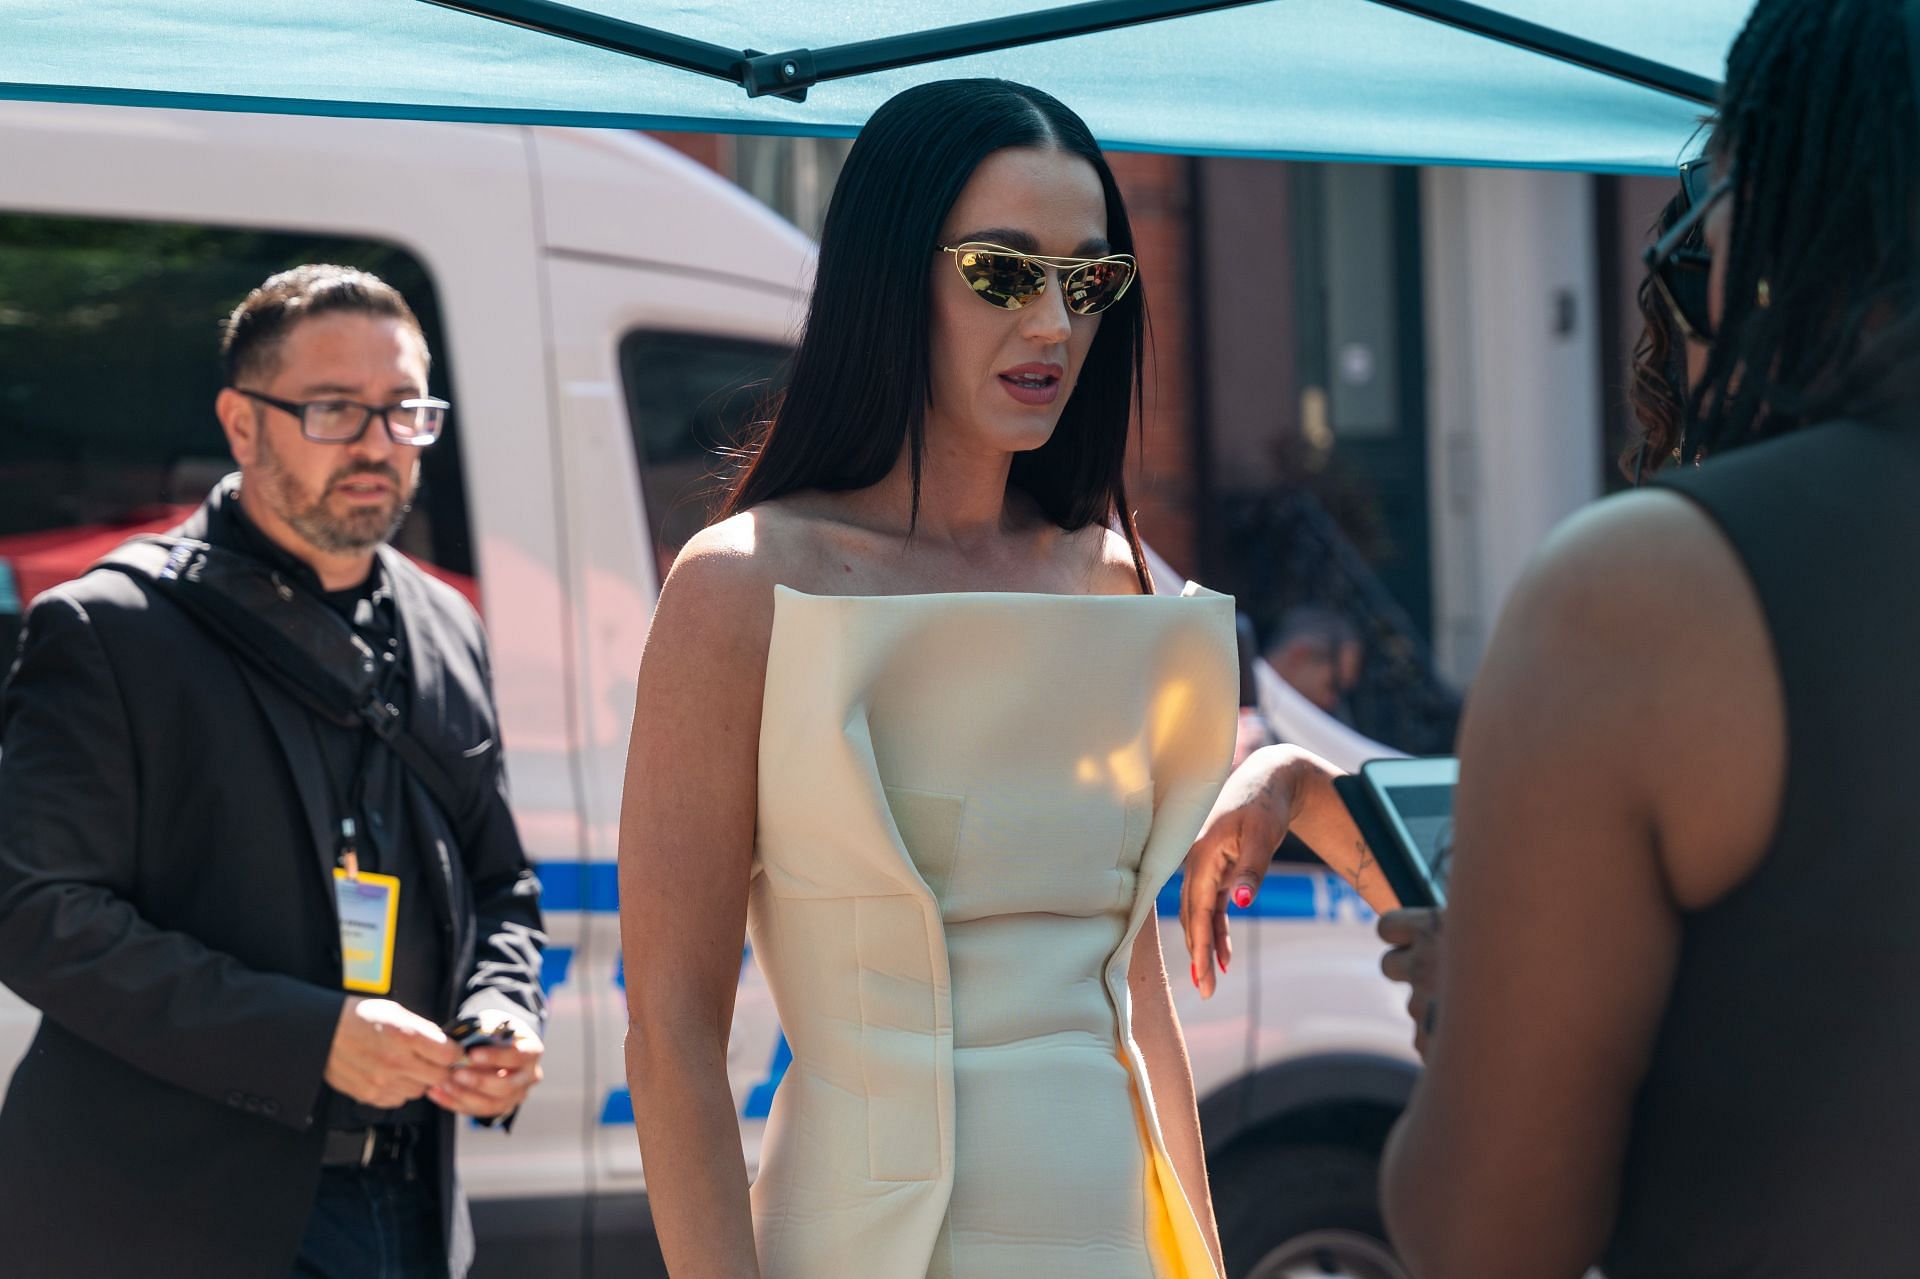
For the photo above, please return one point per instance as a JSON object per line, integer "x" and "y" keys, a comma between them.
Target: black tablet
{"x": 1404, "y": 809}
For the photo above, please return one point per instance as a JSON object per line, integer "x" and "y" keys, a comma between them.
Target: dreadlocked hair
{"x": 1657, "y": 382}
{"x": 1818, "y": 130}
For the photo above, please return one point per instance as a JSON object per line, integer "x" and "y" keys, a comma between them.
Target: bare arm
{"x": 686, "y": 852}
{"x": 1157, "y": 1031}
{"x": 1318, "y": 815}
{"x": 1602, "y": 793}
{"x": 1277, "y": 789}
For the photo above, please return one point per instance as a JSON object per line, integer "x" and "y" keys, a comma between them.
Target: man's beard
{"x": 307, "y": 514}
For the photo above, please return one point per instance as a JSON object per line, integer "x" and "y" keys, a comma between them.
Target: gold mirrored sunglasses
{"x": 1009, "y": 279}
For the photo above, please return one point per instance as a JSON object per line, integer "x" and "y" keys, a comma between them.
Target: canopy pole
{"x": 791, "y": 74}
{"x": 603, "y": 32}
{"x": 1558, "y": 44}
{"x": 777, "y": 72}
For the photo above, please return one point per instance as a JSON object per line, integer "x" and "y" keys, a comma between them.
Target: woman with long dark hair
{"x": 1674, "y": 1025}
{"x": 911, "y": 718}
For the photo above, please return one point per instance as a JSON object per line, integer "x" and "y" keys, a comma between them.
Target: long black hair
{"x": 1819, "y": 130}
{"x": 860, "y": 382}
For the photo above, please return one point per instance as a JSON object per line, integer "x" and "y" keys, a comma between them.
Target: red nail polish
{"x": 1242, "y": 896}
{"x": 1196, "y": 973}
{"x": 1222, "y": 957}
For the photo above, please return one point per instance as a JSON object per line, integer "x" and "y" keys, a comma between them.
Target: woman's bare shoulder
{"x": 716, "y": 606}
{"x": 730, "y": 556}
{"x": 752, "y": 551}
{"x": 1648, "y": 566}
{"x": 1111, "y": 555}
{"x": 734, "y": 564}
{"x": 1636, "y": 643}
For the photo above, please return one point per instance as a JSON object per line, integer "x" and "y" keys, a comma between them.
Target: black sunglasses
{"x": 1678, "y": 261}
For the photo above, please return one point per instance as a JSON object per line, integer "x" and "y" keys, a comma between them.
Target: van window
{"x": 109, "y": 364}
{"x": 691, "y": 399}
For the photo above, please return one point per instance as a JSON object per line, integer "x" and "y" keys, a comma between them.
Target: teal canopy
{"x": 1307, "y": 79}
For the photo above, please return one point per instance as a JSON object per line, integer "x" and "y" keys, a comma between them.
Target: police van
{"x": 604, "y": 314}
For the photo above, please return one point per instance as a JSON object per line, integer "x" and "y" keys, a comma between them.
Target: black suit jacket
{"x": 166, "y": 902}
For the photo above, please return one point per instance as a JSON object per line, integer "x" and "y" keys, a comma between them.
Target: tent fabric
{"x": 1299, "y": 79}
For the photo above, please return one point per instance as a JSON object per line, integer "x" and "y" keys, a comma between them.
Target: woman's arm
{"x": 1279, "y": 788}
{"x": 1170, "y": 1077}
{"x": 686, "y": 852}
{"x": 1621, "y": 759}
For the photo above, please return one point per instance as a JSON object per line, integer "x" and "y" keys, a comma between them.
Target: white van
{"x": 601, "y": 311}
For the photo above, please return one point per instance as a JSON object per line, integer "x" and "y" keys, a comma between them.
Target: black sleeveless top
{"x": 1778, "y": 1130}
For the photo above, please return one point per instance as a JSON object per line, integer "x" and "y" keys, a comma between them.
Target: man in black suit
{"x": 212, "y": 1091}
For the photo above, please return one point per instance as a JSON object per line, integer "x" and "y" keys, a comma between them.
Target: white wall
{"x": 1513, "y": 342}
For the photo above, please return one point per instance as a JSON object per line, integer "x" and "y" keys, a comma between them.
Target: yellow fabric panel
{"x": 1174, "y": 1237}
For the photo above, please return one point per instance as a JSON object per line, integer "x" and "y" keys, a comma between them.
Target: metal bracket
{"x": 782, "y": 75}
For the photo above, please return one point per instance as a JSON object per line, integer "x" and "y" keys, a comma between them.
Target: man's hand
{"x": 1414, "y": 935}
{"x": 494, "y": 1080}
{"x": 385, "y": 1056}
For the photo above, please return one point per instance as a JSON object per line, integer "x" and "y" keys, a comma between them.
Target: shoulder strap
{"x": 297, "y": 641}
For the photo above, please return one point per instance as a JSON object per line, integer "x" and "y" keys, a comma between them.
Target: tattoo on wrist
{"x": 1358, "y": 871}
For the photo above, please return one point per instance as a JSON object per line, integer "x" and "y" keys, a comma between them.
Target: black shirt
{"x": 1777, "y": 1132}
{"x": 368, "y": 779}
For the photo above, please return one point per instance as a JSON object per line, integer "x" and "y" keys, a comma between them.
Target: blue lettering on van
{"x": 589, "y": 887}
{"x": 1288, "y": 893}
{"x": 759, "y": 1103}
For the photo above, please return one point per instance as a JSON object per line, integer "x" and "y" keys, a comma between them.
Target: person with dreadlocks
{"x": 1676, "y": 1025}
{"x": 1680, "y": 1019}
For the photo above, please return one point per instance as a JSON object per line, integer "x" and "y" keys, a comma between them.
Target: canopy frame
{"x": 790, "y": 74}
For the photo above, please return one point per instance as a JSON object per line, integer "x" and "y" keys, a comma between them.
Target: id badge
{"x": 369, "y": 904}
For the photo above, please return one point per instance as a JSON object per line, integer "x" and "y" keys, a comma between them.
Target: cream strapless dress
{"x": 967, "y": 805}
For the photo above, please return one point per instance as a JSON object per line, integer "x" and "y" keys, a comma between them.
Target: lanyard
{"x": 347, "y": 853}
{"x": 353, "y": 802}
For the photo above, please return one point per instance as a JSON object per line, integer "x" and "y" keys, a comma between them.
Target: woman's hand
{"x": 1414, "y": 935}
{"x": 1278, "y": 789}
{"x": 1231, "y": 856}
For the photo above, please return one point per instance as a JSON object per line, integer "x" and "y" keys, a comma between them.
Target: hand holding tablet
{"x": 1404, "y": 809}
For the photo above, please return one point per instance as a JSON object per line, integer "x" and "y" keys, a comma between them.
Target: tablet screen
{"x": 1416, "y": 798}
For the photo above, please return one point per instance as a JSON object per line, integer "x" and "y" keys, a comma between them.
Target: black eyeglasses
{"x": 415, "y": 422}
{"x": 1679, "y": 262}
